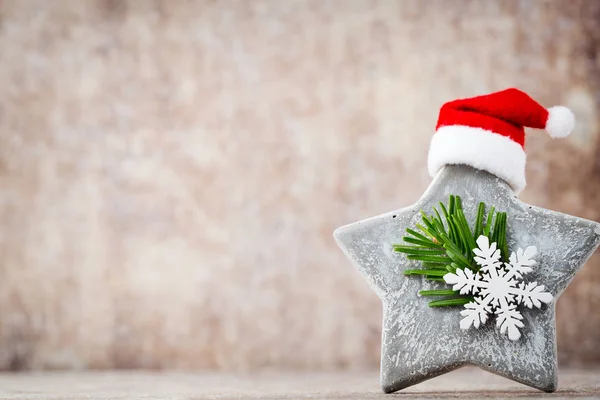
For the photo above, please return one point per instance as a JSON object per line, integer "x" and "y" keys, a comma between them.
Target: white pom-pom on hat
{"x": 561, "y": 121}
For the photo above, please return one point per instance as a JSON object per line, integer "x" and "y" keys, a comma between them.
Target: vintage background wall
{"x": 171, "y": 171}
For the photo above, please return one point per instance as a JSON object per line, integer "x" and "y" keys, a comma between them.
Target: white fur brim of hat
{"x": 481, "y": 149}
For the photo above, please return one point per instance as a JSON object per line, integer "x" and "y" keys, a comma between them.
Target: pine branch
{"x": 444, "y": 243}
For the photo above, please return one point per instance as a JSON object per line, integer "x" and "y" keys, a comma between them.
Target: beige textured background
{"x": 171, "y": 171}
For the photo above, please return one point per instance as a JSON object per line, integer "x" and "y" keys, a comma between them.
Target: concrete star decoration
{"x": 420, "y": 342}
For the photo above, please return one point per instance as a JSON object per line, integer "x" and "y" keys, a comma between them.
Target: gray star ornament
{"x": 420, "y": 342}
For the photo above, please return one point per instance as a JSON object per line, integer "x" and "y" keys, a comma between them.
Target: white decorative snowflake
{"x": 498, "y": 288}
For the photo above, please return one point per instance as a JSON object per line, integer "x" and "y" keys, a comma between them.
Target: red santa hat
{"x": 487, "y": 132}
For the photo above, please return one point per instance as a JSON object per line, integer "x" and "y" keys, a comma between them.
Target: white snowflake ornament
{"x": 497, "y": 288}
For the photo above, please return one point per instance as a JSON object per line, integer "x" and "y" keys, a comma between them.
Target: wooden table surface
{"x": 464, "y": 383}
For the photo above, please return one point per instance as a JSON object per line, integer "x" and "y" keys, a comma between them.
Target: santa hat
{"x": 487, "y": 132}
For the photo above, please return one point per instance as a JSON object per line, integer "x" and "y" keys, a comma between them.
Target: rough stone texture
{"x": 171, "y": 171}
{"x": 469, "y": 383}
{"x": 420, "y": 342}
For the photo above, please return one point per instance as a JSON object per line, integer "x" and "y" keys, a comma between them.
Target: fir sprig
{"x": 445, "y": 245}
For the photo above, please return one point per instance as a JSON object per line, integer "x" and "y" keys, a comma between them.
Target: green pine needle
{"x": 444, "y": 210}
{"x": 434, "y": 265}
{"x": 456, "y": 301}
{"x": 418, "y": 235}
{"x": 418, "y": 250}
{"x": 488, "y": 222}
{"x": 479, "y": 221}
{"x": 427, "y": 272}
{"x": 426, "y": 257}
{"x": 440, "y": 292}
{"x": 423, "y": 243}
{"x": 458, "y": 201}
